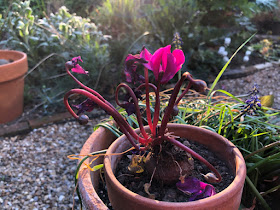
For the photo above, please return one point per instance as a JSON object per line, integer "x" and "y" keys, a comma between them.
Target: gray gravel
{"x": 268, "y": 81}
{"x": 35, "y": 172}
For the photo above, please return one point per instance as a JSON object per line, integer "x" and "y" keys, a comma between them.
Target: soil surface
{"x": 169, "y": 192}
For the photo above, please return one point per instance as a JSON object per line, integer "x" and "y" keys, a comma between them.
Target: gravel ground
{"x": 35, "y": 172}
{"x": 268, "y": 81}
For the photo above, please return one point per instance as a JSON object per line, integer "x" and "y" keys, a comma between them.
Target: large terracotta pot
{"x": 121, "y": 198}
{"x": 88, "y": 180}
{"x": 12, "y": 84}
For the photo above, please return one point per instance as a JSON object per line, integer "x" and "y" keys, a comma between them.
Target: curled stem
{"x": 137, "y": 109}
{"x": 124, "y": 126}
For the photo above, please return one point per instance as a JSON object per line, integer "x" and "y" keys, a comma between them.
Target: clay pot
{"x": 88, "y": 181}
{"x": 12, "y": 84}
{"x": 121, "y": 198}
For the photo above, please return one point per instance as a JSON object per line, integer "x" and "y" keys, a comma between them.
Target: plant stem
{"x": 125, "y": 127}
{"x": 148, "y": 111}
{"x": 257, "y": 194}
{"x": 262, "y": 149}
{"x": 137, "y": 109}
{"x": 171, "y": 103}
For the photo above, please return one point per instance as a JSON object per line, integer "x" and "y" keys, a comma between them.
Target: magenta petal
{"x": 171, "y": 69}
{"x": 191, "y": 185}
{"x": 197, "y": 188}
{"x": 76, "y": 59}
{"x": 130, "y": 57}
{"x": 166, "y": 52}
{"x": 155, "y": 62}
{"x": 145, "y": 54}
{"x": 78, "y": 69}
{"x": 180, "y": 58}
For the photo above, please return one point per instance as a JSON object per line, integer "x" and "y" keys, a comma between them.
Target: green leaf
{"x": 267, "y": 100}
{"x": 97, "y": 167}
{"x": 226, "y": 65}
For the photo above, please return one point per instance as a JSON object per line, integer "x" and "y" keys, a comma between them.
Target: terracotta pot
{"x": 88, "y": 181}
{"x": 12, "y": 84}
{"x": 121, "y": 198}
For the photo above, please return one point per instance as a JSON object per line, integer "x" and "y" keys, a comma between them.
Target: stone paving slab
{"x": 28, "y": 125}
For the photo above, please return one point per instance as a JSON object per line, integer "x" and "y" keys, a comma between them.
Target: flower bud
{"x": 199, "y": 85}
{"x": 175, "y": 111}
{"x": 83, "y": 119}
{"x": 69, "y": 65}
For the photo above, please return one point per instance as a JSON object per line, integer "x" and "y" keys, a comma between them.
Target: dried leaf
{"x": 146, "y": 188}
{"x": 210, "y": 178}
{"x": 267, "y": 100}
{"x": 136, "y": 164}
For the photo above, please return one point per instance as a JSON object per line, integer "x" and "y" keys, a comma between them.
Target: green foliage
{"x": 125, "y": 22}
{"x": 50, "y": 41}
{"x": 203, "y": 25}
{"x": 266, "y": 49}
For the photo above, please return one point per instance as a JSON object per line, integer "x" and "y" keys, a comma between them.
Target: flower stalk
{"x": 164, "y": 66}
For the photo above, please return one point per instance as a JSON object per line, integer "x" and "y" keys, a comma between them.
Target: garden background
{"x": 103, "y": 32}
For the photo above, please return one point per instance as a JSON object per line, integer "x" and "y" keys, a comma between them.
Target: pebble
{"x": 34, "y": 168}
{"x": 267, "y": 80}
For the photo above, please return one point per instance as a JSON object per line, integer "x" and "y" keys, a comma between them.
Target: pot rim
{"x": 23, "y": 56}
{"x": 14, "y": 70}
{"x": 233, "y": 188}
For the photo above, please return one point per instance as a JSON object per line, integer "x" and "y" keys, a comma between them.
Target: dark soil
{"x": 168, "y": 192}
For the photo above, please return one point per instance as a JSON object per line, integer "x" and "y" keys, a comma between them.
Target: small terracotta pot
{"x": 88, "y": 181}
{"x": 121, "y": 198}
{"x": 12, "y": 84}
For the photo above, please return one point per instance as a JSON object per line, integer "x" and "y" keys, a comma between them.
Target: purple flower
{"x": 76, "y": 67}
{"x": 131, "y": 62}
{"x": 86, "y": 106}
{"x": 129, "y": 106}
{"x": 197, "y": 189}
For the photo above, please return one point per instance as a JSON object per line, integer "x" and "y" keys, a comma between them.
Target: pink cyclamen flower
{"x": 163, "y": 63}
{"x": 76, "y": 67}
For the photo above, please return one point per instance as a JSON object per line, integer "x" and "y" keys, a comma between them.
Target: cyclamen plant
{"x": 164, "y": 64}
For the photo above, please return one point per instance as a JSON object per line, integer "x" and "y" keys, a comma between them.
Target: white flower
{"x": 246, "y": 58}
{"x": 221, "y": 50}
{"x": 225, "y": 58}
{"x": 227, "y": 41}
{"x": 248, "y": 52}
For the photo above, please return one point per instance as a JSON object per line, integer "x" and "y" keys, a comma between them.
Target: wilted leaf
{"x": 146, "y": 188}
{"x": 137, "y": 163}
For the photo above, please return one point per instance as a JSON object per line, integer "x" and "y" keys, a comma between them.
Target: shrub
{"x": 53, "y": 39}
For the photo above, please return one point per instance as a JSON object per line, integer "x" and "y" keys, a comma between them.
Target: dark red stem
{"x": 171, "y": 103}
{"x": 148, "y": 111}
{"x": 157, "y": 106}
{"x": 137, "y": 109}
{"x": 125, "y": 127}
